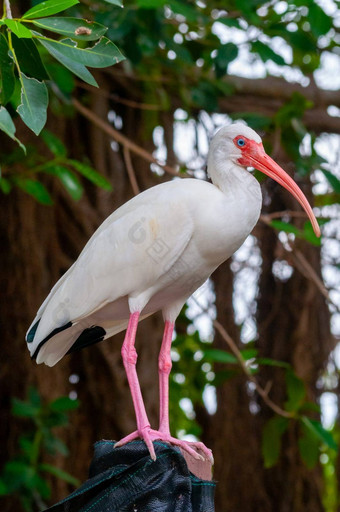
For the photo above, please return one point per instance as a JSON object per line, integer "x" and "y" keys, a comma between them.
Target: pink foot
{"x": 142, "y": 434}
{"x": 148, "y": 435}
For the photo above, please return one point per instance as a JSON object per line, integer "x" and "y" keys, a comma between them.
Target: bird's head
{"x": 242, "y": 146}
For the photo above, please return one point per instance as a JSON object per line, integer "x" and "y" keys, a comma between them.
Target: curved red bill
{"x": 258, "y": 158}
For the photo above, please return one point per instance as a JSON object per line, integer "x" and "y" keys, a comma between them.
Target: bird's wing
{"x": 127, "y": 255}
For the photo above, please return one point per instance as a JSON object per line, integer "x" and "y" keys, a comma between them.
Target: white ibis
{"x": 150, "y": 255}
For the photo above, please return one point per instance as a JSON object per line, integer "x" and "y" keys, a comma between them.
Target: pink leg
{"x": 164, "y": 368}
{"x": 130, "y": 356}
{"x": 144, "y": 431}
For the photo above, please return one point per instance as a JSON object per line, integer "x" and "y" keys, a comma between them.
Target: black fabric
{"x": 125, "y": 479}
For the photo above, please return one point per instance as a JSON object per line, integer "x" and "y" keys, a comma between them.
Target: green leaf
{"x": 59, "y": 53}
{"x": 54, "y": 445}
{"x": 62, "y": 77}
{"x": 26, "y": 446}
{"x": 5, "y": 185}
{"x": 249, "y": 353}
{"x": 24, "y": 409}
{"x": 225, "y": 88}
{"x": 311, "y": 406}
{"x": 306, "y": 234}
{"x": 48, "y": 8}
{"x": 320, "y": 22}
{"x": 309, "y": 235}
{"x": 18, "y": 29}
{"x": 7, "y": 79}
{"x": 225, "y": 54}
{"x": 72, "y": 27}
{"x": 326, "y": 199}
{"x": 34, "y": 396}
{"x": 332, "y": 180}
{"x": 7, "y": 126}
{"x": 64, "y": 403}
{"x": 59, "y": 473}
{"x": 271, "y": 439}
{"x": 272, "y": 362}
{"x": 41, "y": 486}
{"x": 29, "y": 58}
{"x": 285, "y": 226}
{"x": 248, "y": 8}
{"x": 301, "y": 41}
{"x": 103, "y": 54}
{"x": 254, "y": 120}
{"x": 35, "y": 189}
{"x": 319, "y": 431}
{"x": 18, "y": 473}
{"x": 229, "y": 22}
{"x": 296, "y": 391}
{"x": 90, "y": 174}
{"x": 150, "y": 4}
{"x": 119, "y": 3}
{"x": 219, "y": 356}
{"x": 223, "y": 375}
{"x": 69, "y": 181}
{"x": 34, "y": 103}
{"x": 266, "y": 53}
{"x": 53, "y": 143}
{"x": 3, "y": 488}
{"x": 185, "y": 9}
{"x": 205, "y": 96}
{"x": 309, "y": 447}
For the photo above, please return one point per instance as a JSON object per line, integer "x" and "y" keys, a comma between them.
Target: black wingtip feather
{"x": 88, "y": 337}
{"x": 31, "y": 333}
{"x": 53, "y": 333}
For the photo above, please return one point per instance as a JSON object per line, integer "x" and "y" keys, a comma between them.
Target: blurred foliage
{"x": 23, "y": 71}
{"x": 33, "y": 165}
{"x": 329, "y": 460}
{"x": 190, "y": 377}
{"x": 175, "y": 49}
{"x": 25, "y": 475}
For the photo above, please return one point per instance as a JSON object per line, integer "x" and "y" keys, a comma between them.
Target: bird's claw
{"x": 144, "y": 434}
{"x": 148, "y": 435}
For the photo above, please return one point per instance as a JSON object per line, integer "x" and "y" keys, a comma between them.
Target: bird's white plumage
{"x": 154, "y": 251}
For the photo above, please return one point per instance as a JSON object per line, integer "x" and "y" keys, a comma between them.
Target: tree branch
{"x": 279, "y": 89}
{"x": 7, "y": 9}
{"x": 130, "y": 170}
{"x": 263, "y": 392}
{"x": 120, "y": 138}
{"x": 262, "y": 95}
{"x": 299, "y": 261}
{"x": 117, "y": 98}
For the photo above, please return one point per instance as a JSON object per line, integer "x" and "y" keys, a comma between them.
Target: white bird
{"x": 150, "y": 255}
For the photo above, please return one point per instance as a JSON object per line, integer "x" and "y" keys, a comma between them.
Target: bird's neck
{"x": 234, "y": 180}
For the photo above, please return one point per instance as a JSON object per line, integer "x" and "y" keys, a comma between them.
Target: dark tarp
{"x": 125, "y": 479}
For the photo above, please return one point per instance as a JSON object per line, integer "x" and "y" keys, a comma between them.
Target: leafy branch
{"x": 25, "y": 474}
{"x": 62, "y": 167}
{"x": 313, "y": 434}
{"x": 23, "y": 67}
{"x": 120, "y": 138}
